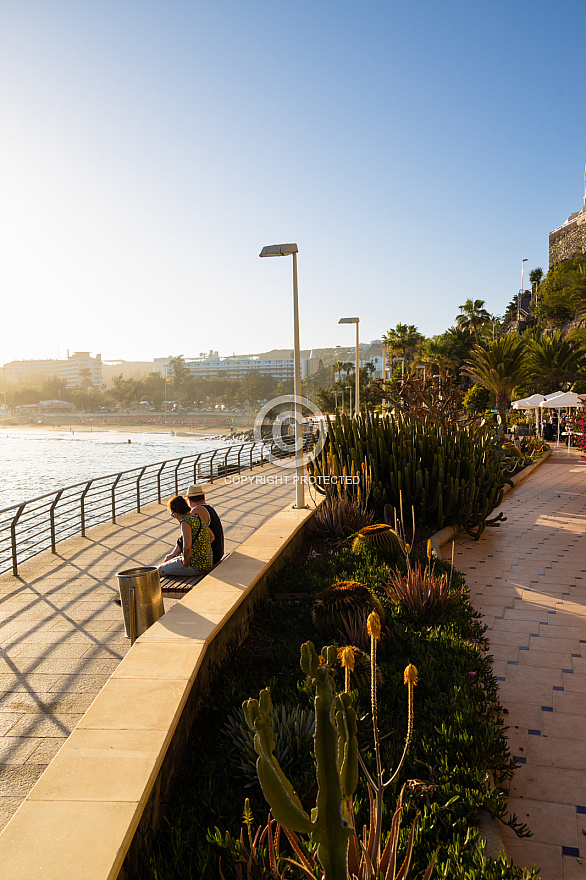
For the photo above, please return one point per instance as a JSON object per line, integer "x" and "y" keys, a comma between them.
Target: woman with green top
{"x": 193, "y": 553}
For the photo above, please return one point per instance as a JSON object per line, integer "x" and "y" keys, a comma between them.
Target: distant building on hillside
{"x": 569, "y": 239}
{"x": 212, "y": 366}
{"x": 76, "y": 369}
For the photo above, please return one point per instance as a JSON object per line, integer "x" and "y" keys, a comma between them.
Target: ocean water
{"x": 33, "y": 463}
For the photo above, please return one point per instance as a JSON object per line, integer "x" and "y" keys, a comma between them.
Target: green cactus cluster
{"x": 448, "y": 475}
{"x": 336, "y": 754}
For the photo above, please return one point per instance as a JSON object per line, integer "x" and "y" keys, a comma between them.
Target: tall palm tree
{"x": 553, "y": 361}
{"x": 403, "y": 340}
{"x": 498, "y": 367}
{"x": 337, "y": 368}
{"x": 438, "y": 351}
{"x": 472, "y": 316}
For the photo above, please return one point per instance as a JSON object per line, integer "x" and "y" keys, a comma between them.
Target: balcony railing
{"x": 41, "y": 523}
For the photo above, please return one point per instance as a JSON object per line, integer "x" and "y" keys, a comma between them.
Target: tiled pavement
{"x": 528, "y": 578}
{"x": 61, "y": 635}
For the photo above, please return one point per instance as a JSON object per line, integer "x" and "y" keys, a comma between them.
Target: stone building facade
{"x": 569, "y": 239}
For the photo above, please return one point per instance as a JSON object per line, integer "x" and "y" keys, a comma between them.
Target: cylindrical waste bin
{"x": 141, "y": 598}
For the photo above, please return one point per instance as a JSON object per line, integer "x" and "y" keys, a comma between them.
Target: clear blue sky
{"x": 416, "y": 152}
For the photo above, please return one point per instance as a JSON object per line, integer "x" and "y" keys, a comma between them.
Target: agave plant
{"x": 294, "y": 728}
{"x": 340, "y": 599}
{"x": 338, "y": 517}
{"x": 420, "y": 590}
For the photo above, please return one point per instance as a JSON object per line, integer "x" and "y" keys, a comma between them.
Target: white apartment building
{"x": 73, "y": 370}
{"x": 212, "y": 366}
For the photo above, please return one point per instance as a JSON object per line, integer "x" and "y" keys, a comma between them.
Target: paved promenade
{"x": 61, "y": 634}
{"x": 529, "y": 580}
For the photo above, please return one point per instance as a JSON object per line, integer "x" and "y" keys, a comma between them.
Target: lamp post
{"x": 357, "y": 392}
{"x": 521, "y": 291}
{"x": 283, "y": 250}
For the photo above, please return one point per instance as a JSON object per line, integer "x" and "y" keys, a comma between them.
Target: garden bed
{"x": 458, "y": 745}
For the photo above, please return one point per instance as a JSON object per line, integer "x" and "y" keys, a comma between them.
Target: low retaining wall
{"x": 85, "y": 817}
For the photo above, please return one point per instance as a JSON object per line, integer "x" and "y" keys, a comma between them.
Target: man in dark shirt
{"x": 196, "y": 499}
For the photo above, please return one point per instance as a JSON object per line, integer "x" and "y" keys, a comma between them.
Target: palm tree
{"x": 438, "y": 351}
{"x": 553, "y": 361}
{"x": 498, "y": 367}
{"x": 337, "y": 368}
{"x": 403, "y": 340}
{"x": 473, "y": 315}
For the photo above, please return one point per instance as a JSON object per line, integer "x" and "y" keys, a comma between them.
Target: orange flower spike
{"x": 410, "y": 679}
{"x": 429, "y": 549}
{"x": 410, "y": 675}
{"x": 373, "y": 626}
{"x": 348, "y": 658}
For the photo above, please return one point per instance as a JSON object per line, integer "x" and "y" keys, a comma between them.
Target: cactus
{"x": 339, "y": 600}
{"x": 336, "y": 753}
{"x": 381, "y": 538}
{"x": 450, "y": 474}
{"x": 331, "y": 825}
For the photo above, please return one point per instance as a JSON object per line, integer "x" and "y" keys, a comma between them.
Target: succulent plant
{"x": 338, "y": 517}
{"x": 336, "y": 753}
{"x": 382, "y": 539}
{"x": 420, "y": 590}
{"x": 339, "y": 600}
{"x": 293, "y": 730}
{"x": 448, "y": 474}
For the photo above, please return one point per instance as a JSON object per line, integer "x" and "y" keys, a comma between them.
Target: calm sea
{"x": 33, "y": 463}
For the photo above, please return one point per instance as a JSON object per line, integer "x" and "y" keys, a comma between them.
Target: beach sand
{"x": 131, "y": 426}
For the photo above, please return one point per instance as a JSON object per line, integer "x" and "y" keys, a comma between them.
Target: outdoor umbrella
{"x": 561, "y": 400}
{"x": 531, "y": 402}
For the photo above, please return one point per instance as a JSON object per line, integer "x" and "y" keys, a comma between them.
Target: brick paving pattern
{"x": 61, "y": 634}
{"x": 528, "y": 578}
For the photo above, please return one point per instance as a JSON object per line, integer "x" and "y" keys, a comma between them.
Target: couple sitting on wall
{"x": 201, "y": 543}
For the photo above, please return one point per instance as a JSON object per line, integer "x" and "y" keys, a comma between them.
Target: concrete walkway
{"x": 528, "y": 578}
{"x": 61, "y": 635}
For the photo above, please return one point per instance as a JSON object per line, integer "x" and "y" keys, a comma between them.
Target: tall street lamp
{"x": 357, "y": 393}
{"x": 283, "y": 250}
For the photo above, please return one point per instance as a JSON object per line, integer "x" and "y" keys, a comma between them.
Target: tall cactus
{"x": 450, "y": 475}
{"x": 336, "y": 752}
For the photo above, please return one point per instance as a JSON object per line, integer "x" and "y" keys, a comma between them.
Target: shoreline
{"x": 178, "y": 430}
{"x": 192, "y": 428}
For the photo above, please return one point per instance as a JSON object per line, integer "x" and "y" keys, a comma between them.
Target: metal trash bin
{"x": 141, "y": 598}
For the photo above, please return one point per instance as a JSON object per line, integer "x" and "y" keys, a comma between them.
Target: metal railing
{"x": 41, "y": 523}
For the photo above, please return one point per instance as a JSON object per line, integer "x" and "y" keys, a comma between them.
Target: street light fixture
{"x": 357, "y": 393}
{"x": 284, "y": 250}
